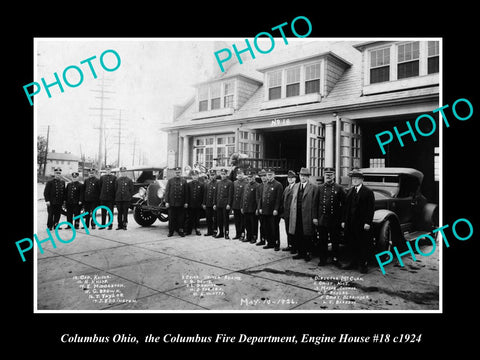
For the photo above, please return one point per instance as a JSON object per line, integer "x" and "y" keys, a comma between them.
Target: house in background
{"x": 66, "y": 161}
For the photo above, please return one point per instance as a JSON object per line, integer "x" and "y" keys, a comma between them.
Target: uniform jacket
{"x": 287, "y": 200}
{"x": 176, "y": 192}
{"x": 209, "y": 196}
{"x": 91, "y": 187}
{"x": 329, "y": 204}
{"x": 308, "y": 205}
{"x": 238, "y": 188}
{"x": 107, "y": 187}
{"x": 358, "y": 212}
{"x": 224, "y": 193}
{"x": 249, "y": 198}
{"x": 195, "y": 194}
{"x": 271, "y": 198}
{"x": 124, "y": 189}
{"x": 54, "y": 191}
{"x": 74, "y": 192}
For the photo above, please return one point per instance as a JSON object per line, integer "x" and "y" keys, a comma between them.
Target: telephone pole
{"x": 101, "y": 127}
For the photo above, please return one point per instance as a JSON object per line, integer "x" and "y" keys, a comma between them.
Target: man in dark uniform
{"x": 123, "y": 196}
{"x": 287, "y": 200}
{"x": 249, "y": 207}
{"x": 176, "y": 202}
{"x": 223, "y": 196}
{"x": 73, "y": 202}
{"x": 91, "y": 196}
{"x": 270, "y": 203}
{"x": 195, "y": 193}
{"x": 54, "y": 194}
{"x": 107, "y": 194}
{"x": 208, "y": 202}
{"x": 238, "y": 188}
{"x": 328, "y": 215}
{"x": 261, "y": 218}
{"x": 357, "y": 221}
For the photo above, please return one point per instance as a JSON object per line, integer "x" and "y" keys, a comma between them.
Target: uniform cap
{"x": 193, "y": 172}
{"x": 270, "y": 171}
{"x": 328, "y": 170}
{"x": 223, "y": 171}
{"x": 262, "y": 172}
{"x": 356, "y": 173}
{"x": 57, "y": 169}
{"x": 123, "y": 168}
{"x": 291, "y": 173}
{"x": 74, "y": 174}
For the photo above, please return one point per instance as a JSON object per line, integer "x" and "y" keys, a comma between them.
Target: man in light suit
{"x": 302, "y": 215}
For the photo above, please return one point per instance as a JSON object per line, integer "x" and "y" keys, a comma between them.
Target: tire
{"x": 143, "y": 217}
{"x": 385, "y": 237}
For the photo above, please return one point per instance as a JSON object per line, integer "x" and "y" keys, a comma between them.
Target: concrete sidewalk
{"x": 143, "y": 269}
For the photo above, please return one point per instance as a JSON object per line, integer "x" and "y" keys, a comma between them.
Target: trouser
{"x": 272, "y": 229}
{"x": 303, "y": 243}
{"x": 290, "y": 237}
{"x": 239, "y": 220}
{"x": 324, "y": 232}
{"x": 261, "y": 220}
{"x": 176, "y": 219}
{"x": 222, "y": 220}
{"x": 193, "y": 219}
{"x": 89, "y": 206}
{"x": 211, "y": 217}
{"x": 360, "y": 244}
{"x": 72, "y": 211}
{"x": 251, "y": 226}
{"x": 122, "y": 210}
{"x": 54, "y": 211}
{"x": 110, "y": 205}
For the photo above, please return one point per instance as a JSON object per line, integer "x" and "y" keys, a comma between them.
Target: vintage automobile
{"x": 402, "y": 213}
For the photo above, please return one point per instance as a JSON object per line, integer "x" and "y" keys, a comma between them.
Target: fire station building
{"x": 316, "y": 104}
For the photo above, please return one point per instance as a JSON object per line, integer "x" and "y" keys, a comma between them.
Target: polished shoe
{"x": 181, "y": 233}
{"x": 208, "y": 234}
{"x": 296, "y": 257}
{"x": 260, "y": 243}
{"x": 100, "y": 228}
{"x": 268, "y": 246}
{"x": 236, "y": 237}
{"x": 119, "y": 228}
{"x": 110, "y": 228}
{"x": 253, "y": 241}
{"x": 288, "y": 248}
{"x": 308, "y": 257}
{"x": 218, "y": 236}
{"x": 198, "y": 233}
{"x": 245, "y": 240}
{"x": 277, "y": 248}
{"x": 170, "y": 234}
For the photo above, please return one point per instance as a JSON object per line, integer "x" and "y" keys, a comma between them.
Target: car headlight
{"x": 142, "y": 192}
{"x": 160, "y": 192}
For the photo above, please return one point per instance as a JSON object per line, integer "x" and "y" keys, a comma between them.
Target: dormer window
{"x": 312, "y": 78}
{"x": 228, "y": 94}
{"x": 433, "y": 57}
{"x": 274, "y": 85}
{"x": 293, "y": 81}
{"x": 215, "y": 96}
{"x": 379, "y": 65}
{"x": 203, "y": 99}
{"x": 408, "y": 60}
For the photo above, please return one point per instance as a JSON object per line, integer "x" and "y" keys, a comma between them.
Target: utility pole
{"x": 46, "y": 151}
{"x": 120, "y": 138}
{"x": 101, "y": 127}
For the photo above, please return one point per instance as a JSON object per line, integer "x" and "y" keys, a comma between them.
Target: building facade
{"x": 66, "y": 161}
{"x": 317, "y": 104}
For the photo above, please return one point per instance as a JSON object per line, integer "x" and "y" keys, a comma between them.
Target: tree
{"x": 41, "y": 154}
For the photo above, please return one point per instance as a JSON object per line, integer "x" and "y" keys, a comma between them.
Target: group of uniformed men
{"x": 108, "y": 191}
{"x": 313, "y": 214}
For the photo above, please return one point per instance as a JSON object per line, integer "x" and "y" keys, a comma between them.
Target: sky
{"x": 153, "y": 76}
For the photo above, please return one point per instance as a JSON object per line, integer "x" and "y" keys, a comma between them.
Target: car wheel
{"x": 385, "y": 238}
{"x": 163, "y": 217}
{"x": 143, "y": 217}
